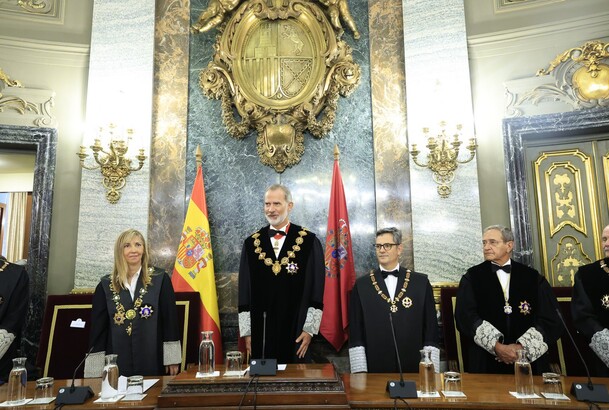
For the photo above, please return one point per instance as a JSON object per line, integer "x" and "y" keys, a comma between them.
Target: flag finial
{"x": 199, "y": 156}
{"x": 336, "y": 153}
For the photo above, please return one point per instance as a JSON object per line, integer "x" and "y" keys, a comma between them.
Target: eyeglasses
{"x": 491, "y": 242}
{"x": 386, "y": 246}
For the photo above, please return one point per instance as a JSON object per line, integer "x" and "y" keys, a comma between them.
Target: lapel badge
{"x": 525, "y": 308}
{"x": 604, "y": 301}
{"x": 146, "y": 311}
{"x": 407, "y": 302}
{"x": 292, "y": 268}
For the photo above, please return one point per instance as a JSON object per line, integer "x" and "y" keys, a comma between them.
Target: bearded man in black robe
{"x": 281, "y": 281}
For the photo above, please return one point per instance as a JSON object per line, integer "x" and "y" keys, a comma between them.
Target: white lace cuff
{"x": 313, "y": 321}
{"x": 533, "y": 344}
{"x": 600, "y": 345}
{"x": 172, "y": 353}
{"x": 245, "y": 324}
{"x": 486, "y": 337}
{"x": 435, "y": 357}
{"x": 94, "y": 364}
{"x": 357, "y": 359}
{"x": 6, "y": 338}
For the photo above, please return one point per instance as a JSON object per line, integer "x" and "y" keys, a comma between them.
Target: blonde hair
{"x": 121, "y": 269}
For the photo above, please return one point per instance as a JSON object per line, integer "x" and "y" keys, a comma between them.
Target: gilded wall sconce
{"x": 113, "y": 163}
{"x": 443, "y": 157}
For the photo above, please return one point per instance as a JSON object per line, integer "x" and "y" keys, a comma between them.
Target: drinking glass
{"x": 233, "y": 363}
{"x": 552, "y": 384}
{"x": 135, "y": 384}
{"x": 427, "y": 374}
{"x": 452, "y": 381}
{"x": 523, "y": 374}
{"x": 44, "y": 388}
{"x": 17, "y": 382}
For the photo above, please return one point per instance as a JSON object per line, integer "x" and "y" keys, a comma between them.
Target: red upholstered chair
{"x": 63, "y": 345}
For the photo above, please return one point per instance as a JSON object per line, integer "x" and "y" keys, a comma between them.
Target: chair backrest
{"x": 562, "y": 354}
{"x": 64, "y": 338}
{"x": 456, "y": 346}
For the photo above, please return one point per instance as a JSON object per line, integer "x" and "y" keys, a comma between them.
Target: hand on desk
{"x": 305, "y": 338}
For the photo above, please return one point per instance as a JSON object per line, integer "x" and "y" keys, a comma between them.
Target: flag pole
{"x": 199, "y": 156}
{"x": 336, "y": 153}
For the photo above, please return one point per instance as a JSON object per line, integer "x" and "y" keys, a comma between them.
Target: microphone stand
{"x": 75, "y": 394}
{"x": 585, "y": 391}
{"x": 400, "y": 389}
{"x": 263, "y": 367}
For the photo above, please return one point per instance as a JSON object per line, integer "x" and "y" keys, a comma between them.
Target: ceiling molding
{"x": 45, "y": 52}
{"x": 37, "y": 11}
{"x": 518, "y": 40}
{"x": 506, "y": 6}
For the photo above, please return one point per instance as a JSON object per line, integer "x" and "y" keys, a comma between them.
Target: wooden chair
{"x": 64, "y": 338}
{"x": 563, "y": 357}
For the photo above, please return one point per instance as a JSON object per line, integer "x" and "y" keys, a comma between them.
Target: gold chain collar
{"x": 4, "y": 266}
{"x": 406, "y": 302}
{"x": 121, "y": 316}
{"x": 286, "y": 259}
{"x": 604, "y": 266}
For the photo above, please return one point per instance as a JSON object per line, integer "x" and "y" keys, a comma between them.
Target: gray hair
{"x": 506, "y": 233}
{"x": 286, "y": 191}
{"x": 397, "y": 234}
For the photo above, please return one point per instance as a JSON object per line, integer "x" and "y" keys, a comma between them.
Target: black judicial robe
{"x": 589, "y": 315}
{"x": 141, "y": 352}
{"x": 14, "y": 302}
{"x": 480, "y": 297}
{"x": 415, "y": 326}
{"x": 285, "y": 297}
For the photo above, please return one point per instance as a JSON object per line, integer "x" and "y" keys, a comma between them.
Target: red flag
{"x": 340, "y": 269}
{"x": 194, "y": 266}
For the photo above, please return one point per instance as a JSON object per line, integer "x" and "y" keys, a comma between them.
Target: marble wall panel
{"x": 235, "y": 180}
{"x": 168, "y": 152}
{"x": 446, "y": 231}
{"x": 119, "y": 91}
{"x": 392, "y": 180}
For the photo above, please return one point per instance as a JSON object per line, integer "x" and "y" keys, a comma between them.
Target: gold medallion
{"x": 130, "y": 314}
{"x": 276, "y": 268}
{"x": 407, "y": 302}
{"x": 393, "y": 308}
{"x": 119, "y": 318}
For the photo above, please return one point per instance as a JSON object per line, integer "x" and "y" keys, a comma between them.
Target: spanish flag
{"x": 194, "y": 266}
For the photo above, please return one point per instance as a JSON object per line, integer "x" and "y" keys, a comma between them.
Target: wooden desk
{"x": 484, "y": 391}
{"x": 149, "y": 402}
{"x": 311, "y": 386}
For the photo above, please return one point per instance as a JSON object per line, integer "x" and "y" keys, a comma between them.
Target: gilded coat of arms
{"x": 279, "y": 68}
{"x": 194, "y": 250}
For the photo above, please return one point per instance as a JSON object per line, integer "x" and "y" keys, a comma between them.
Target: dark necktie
{"x": 505, "y": 268}
{"x": 386, "y": 273}
{"x": 273, "y": 232}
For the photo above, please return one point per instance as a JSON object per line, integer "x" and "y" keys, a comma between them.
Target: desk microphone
{"x": 400, "y": 389}
{"x": 74, "y": 394}
{"x": 263, "y": 367}
{"x": 585, "y": 391}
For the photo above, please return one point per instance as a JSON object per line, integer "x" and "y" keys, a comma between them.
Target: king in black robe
{"x": 590, "y": 311}
{"x": 413, "y": 316}
{"x": 480, "y": 317}
{"x": 291, "y": 296}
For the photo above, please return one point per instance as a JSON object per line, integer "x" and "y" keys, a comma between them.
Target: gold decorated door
{"x": 568, "y": 202}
